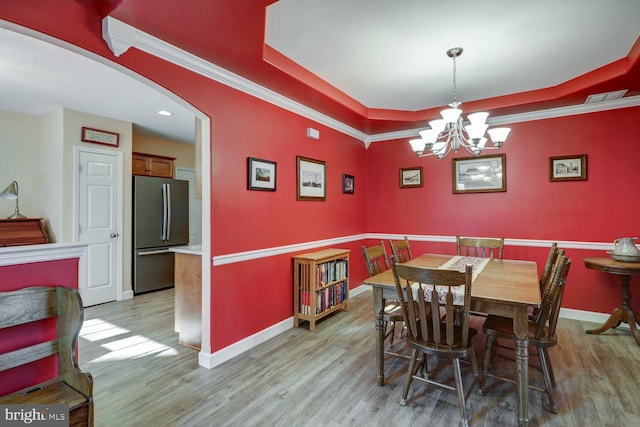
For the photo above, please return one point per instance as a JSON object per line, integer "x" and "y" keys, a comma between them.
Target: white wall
{"x": 37, "y": 152}
{"x": 20, "y": 161}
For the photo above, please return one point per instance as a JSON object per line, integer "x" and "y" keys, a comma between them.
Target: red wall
{"x": 600, "y": 209}
{"x": 51, "y": 273}
{"x": 252, "y": 295}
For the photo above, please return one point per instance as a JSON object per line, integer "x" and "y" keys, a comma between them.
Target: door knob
{"x": 113, "y": 235}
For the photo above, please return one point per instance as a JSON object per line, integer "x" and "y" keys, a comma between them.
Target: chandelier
{"x": 449, "y": 133}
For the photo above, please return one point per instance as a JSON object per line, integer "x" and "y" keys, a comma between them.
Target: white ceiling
{"x": 385, "y": 54}
{"x": 37, "y": 77}
{"x": 392, "y": 54}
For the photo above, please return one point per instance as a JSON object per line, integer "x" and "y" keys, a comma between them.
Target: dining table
{"x": 506, "y": 288}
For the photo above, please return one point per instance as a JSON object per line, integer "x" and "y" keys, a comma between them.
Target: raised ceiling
{"x": 380, "y": 66}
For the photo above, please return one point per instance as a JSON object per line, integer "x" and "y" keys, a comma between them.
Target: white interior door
{"x": 99, "y": 201}
{"x": 195, "y": 205}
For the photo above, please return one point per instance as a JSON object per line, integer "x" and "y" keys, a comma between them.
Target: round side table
{"x": 621, "y": 314}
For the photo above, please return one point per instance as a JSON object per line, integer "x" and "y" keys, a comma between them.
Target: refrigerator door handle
{"x": 168, "y": 233}
{"x": 164, "y": 212}
{"x": 156, "y": 252}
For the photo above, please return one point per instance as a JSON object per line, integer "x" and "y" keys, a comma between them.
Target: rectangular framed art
{"x": 411, "y": 177}
{"x": 482, "y": 174}
{"x": 261, "y": 174}
{"x": 311, "y": 179}
{"x": 348, "y": 183}
{"x": 568, "y": 168}
{"x": 98, "y": 136}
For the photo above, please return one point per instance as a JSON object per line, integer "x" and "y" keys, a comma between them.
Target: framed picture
{"x": 348, "y": 183}
{"x": 311, "y": 179}
{"x": 411, "y": 177}
{"x": 482, "y": 174}
{"x": 261, "y": 174}
{"x": 568, "y": 168}
{"x": 103, "y": 137}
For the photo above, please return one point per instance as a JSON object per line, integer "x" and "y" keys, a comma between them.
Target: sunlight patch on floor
{"x": 98, "y": 329}
{"x": 133, "y": 347}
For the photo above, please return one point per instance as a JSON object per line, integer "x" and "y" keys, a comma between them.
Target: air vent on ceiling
{"x": 608, "y": 96}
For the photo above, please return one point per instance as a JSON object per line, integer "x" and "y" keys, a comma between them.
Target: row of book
{"x": 331, "y": 271}
{"x": 325, "y": 298}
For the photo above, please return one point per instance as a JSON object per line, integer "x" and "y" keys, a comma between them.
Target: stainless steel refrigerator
{"x": 160, "y": 220}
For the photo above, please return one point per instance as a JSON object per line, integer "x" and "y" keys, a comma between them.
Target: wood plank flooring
{"x": 142, "y": 376}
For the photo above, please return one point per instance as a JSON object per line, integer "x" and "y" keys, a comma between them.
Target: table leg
{"x": 378, "y": 308}
{"x": 622, "y": 314}
{"x": 520, "y": 328}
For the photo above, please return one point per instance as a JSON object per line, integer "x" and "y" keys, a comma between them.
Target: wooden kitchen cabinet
{"x": 152, "y": 165}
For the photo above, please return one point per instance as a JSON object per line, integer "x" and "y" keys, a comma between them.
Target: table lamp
{"x": 11, "y": 193}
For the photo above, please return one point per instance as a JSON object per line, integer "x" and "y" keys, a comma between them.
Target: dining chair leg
{"x": 410, "y": 373}
{"x": 425, "y": 366}
{"x": 488, "y": 355}
{"x": 392, "y": 333}
{"x": 476, "y": 371}
{"x": 544, "y": 363}
{"x": 546, "y": 355}
{"x": 460, "y": 390}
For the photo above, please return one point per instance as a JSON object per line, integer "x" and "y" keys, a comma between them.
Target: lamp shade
{"x": 11, "y": 192}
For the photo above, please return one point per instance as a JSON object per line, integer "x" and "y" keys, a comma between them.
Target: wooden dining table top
{"x": 514, "y": 282}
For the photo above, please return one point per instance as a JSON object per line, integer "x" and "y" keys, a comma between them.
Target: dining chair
{"x": 480, "y": 246}
{"x": 401, "y": 249}
{"x": 546, "y": 275}
{"x": 376, "y": 260}
{"x": 542, "y": 332}
{"x": 429, "y": 335}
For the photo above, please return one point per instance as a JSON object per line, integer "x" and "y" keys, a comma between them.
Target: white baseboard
{"x": 127, "y": 295}
{"x": 587, "y": 316}
{"x": 211, "y": 360}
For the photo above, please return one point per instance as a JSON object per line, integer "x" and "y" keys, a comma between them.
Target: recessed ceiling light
{"x": 165, "y": 113}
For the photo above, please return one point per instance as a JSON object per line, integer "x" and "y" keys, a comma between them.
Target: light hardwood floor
{"x": 142, "y": 376}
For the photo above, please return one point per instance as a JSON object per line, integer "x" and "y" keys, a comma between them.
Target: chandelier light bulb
{"x": 449, "y": 133}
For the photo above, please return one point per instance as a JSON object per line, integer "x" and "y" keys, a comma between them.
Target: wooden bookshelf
{"x": 320, "y": 285}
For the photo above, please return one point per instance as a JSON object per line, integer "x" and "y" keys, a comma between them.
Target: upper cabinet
{"x": 152, "y": 165}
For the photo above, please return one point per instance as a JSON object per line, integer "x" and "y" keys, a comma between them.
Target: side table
{"x": 621, "y": 314}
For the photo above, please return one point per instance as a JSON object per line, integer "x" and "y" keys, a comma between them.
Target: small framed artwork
{"x": 568, "y": 168}
{"x": 482, "y": 174}
{"x": 411, "y": 177}
{"x": 311, "y": 179}
{"x": 261, "y": 174}
{"x": 103, "y": 137}
{"x": 348, "y": 183}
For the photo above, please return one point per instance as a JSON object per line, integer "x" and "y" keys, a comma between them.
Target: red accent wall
{"x": 249, "y": 296}
{"x": 600, "y": 209}
{"x": 50, "y": 273}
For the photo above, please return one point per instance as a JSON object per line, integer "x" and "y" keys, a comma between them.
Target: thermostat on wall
{"x": 313, "y": 133}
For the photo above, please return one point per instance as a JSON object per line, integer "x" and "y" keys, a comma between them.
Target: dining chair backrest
{"x": 401, "y": 249}
{"x": 480, "y": 247}
{"x": 545, "y": 277}
{"x": 375, "y": 257}
{"x": 434, "y": 325}
{"x": 552, "y": 300}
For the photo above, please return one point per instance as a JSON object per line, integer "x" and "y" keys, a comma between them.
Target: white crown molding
{"x": 552, "y": 113}
{"x": 14, "y": 255}
{"x": 120, "y": 37}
